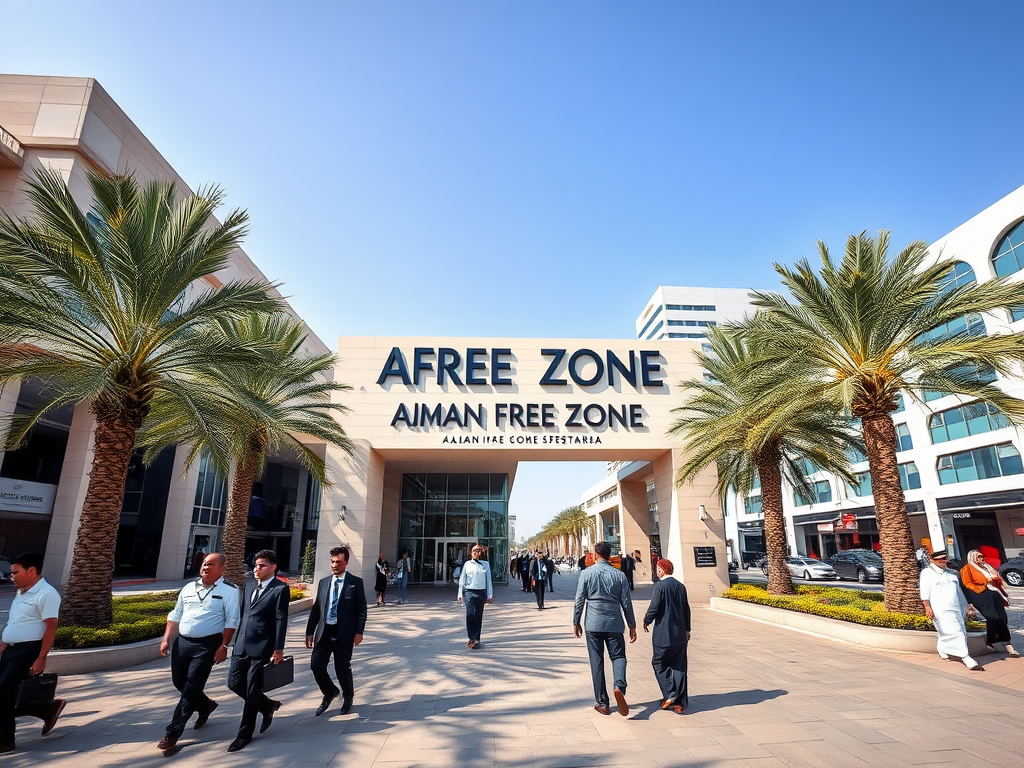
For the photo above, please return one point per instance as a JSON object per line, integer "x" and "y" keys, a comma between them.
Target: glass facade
{"x": 1009, "y": 256}
{"x": 979, "y": 464}
{"x": 972, "y": 419}
{"x": 459, "y": 506}
{"x": 903, "y": 440}
{"x": 822, "y": 493}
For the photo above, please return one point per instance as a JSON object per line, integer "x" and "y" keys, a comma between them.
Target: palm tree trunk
{"x": 901, "y": 570}
{"x": 87, "y": 599}
{"x": 780, "y": 582}
{"x": 233, "y": 547}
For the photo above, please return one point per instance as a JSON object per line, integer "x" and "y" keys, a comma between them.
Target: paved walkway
{"x": 760, "y": 696}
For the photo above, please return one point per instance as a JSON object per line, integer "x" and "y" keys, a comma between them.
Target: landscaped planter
{"x": 79, "y": 661}
{"x": 878, "y": 638}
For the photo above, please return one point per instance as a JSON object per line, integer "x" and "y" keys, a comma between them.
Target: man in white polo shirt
{"x": 27, "y": 639}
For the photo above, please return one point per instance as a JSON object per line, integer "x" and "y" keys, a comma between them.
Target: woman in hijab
{"x": 380, "y": 582}
{"x": 984, "y": 590}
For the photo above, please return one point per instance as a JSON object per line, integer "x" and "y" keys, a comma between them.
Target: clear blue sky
{"x": 538, "y": 168}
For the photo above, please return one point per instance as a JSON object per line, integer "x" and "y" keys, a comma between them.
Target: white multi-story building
{"x": 960, "y": 462}
{"x": 681, "y": 312}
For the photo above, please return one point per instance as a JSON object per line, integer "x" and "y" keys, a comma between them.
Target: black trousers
{"x": 629, "y": 579}
{"x": 246, "y": 681}
{"x": 338, "y": 644}
{"x": 526, "y": 580}
{"x": 474, "y": 600}
{"x": 538, "y": 588}
{"x": 670, "y": 670}
{"x": 15, "y": 664}
{"x": 551, "y": 581}
{"x": 191, "y": 662}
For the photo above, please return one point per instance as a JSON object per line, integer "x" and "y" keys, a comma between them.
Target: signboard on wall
{"x": 23, "y": 496}
{"x": 704, "y": 557}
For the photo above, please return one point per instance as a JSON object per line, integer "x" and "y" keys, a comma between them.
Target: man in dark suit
{"x": 628, "y": 567}
{"x": 524, "y": 570}
{"x": 335, "y": 626}
{"x": 539, "y": 578}
{"x": 669, "y": 611}
{"x": 551, "y": 571}
{"x": 260, "y": 638}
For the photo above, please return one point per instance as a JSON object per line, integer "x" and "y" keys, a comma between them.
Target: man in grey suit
{"x": 604, "y": 591}
{"x": 260, "y": 638}
{"x": 669, "y": 611}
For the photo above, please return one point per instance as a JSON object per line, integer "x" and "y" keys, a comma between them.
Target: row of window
{"x": 694, "y": 323}
{"x": 691, "y": 307}
{"x": 685, "y": 335}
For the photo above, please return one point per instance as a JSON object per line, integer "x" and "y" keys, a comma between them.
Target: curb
{"x": 875, "y": 638}
{"x": 84, "y": 660}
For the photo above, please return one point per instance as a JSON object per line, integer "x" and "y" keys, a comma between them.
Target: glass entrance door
{"x": 451, "y": 554}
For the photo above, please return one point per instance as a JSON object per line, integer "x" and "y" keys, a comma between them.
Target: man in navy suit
{"x": 669, "y": 611}
{"x": 260, "y": 638}
{"x": 335, "y": 626}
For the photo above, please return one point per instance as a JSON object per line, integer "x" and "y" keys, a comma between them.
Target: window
{"x": 983, "y": 373}
{"x": 970, "y": 324}
{"x": 649, "y": 321}
{"x": 863, "y": 486}
{"x": 960, "y": 274}
{"x": 694, "y": 323}
{"x": 979, "y": 464}
{"x": 903, "y": 440}
{"x": 971, "y": 419}
{"x": 899, "y": 403}
{"x": 1017, "y": 313}
{"x": 686, "y": 335}
{"x": 691, "y": 307}
{"x": 211, "y": 494}
{"x": 655, "y": 329}
{"x": 910, "y": 478}
{"x": 822, "y": 493}
{"x": 1009, "y": 256}
{"x": 753, "y": 506}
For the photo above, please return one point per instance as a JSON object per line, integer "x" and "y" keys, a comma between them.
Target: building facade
{"x": 172, "y": 513}
{"x": 960, "y": 462}
{"x": 682, "y": 312}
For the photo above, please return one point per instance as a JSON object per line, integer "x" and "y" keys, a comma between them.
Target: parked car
{"x": 5, "y": 570}
{"x": 860, "y": 564}
{"x": 1012, "y": 571}
{"x": 810, "y": 568}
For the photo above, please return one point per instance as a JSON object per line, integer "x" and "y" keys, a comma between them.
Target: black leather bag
{"x": 278, "y": 675}
{"x": 35, "y": 693}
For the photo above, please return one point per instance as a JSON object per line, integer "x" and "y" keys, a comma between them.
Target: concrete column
{"x": 931, "y": 513}
{"x": 74, "y": 484}
{"x": 181, "y": 497}
{"x": 359, "y": 487}
{"x": 300, "y": 516}
{"x": 635, "y": 526}
{"x": 682, "y": 529}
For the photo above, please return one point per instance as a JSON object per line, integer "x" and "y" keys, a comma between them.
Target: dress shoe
{"x": 325, "y": 703}
{"x": 7, "y": 747}
{"x": 469, "y": 643}
{"x": 268, "y": 715}
{"x": 620, "y": 702}
{"x": 678, "y": 709}
{"x": 476, "y": 644}
{"x": 978, "y": 668}
{"x": 204, "y": 715}
{"x": 346, "y": 706}
{"x": 167, "y": 743}
{"x": 603, "y": 709}
{"x": 666, "y": 703}
{"x": 238, "y": 744}
{"x": 51, "y": 719}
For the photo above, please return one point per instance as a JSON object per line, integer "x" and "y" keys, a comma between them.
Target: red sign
{"x": 849, "y": 521}
{"x": 1019, "y": 531}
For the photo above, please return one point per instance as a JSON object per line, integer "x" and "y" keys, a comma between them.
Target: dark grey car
{"x": 1012, "y": 571}
{"x": 860, "y": 564}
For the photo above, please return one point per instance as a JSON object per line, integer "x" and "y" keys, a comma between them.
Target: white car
{"x": 808, "y": 568}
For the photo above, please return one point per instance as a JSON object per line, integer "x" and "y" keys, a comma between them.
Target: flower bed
{"x": 853, "y": 605}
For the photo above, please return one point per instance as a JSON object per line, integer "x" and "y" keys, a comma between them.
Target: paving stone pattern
{"x": 759, "y": 696}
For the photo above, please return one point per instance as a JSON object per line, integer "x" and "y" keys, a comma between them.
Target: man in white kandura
{"x": 946, "y": 606}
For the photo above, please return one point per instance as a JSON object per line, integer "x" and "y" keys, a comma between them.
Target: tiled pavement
{"x": 760, "y": 696}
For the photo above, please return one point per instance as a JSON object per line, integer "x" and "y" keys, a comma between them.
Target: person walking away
{"x": 201, "y": 625}
{"x": 538, "y": 578}
{"x": 524, "y": 570}
{"x": 513, "y": 567}
{"x": 259, "y": 640}
{"x": 628, "y": 567}
{"x": 380, "y": 578}
{"x": 476, "y": 589}
{"x": 335, "y": 627}
{"x": 403, "y": 568}
{"x": 669, "y": 612}
{"x": 945, "y": 605}
{"x": 550, "y": 564}
{"x": 26, "y": 642}
{"x": 603, "y": 591}
{"x": 582, "y": 562}
{"x": 986, "y": 593}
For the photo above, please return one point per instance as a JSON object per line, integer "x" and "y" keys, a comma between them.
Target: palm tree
{"x": 578, "y": 523}
{"x": 97, "y": 305}
{"x": 276, "y": 403}
{"x": 738, "y": 422}
{"x": 861, "y": 331}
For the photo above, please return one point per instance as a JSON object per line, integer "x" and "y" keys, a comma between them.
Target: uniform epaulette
{"x": 230, "y": 584}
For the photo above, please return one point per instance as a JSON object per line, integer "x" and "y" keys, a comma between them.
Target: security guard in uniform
{"x": 206, "y": 616}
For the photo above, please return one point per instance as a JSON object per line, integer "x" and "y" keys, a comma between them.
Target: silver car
{"x": 808, "y": 568}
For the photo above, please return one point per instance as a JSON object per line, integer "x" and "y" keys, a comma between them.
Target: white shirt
{"x": 941, "y": 588}
{"x": 29, "y": 610}
{"x": 476, "y": 574}
{"x": 202, "y": 611}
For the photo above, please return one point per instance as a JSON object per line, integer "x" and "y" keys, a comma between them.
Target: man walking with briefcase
{"x": 260, "y": 639}
{"x": 27, "y": 639}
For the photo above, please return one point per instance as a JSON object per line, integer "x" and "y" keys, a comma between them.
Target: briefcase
{"x": 35, "y": 694}
{"x": 278, "y": 675}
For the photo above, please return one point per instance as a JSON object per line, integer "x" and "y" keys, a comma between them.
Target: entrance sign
{"x": 23, "y": 496}
{"x": 423, "y": 408}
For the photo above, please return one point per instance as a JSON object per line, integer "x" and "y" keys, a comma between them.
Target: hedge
{"x": 136, "y": 617}
{"x": 857, "y": 606}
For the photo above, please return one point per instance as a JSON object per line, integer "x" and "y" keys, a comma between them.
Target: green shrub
{"x": 852, "y": 605}
{"x": 136, "y": 617}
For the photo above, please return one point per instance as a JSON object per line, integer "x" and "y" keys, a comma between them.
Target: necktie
{"x": 256, "y": 594}
{"x": 332, "y": 614}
